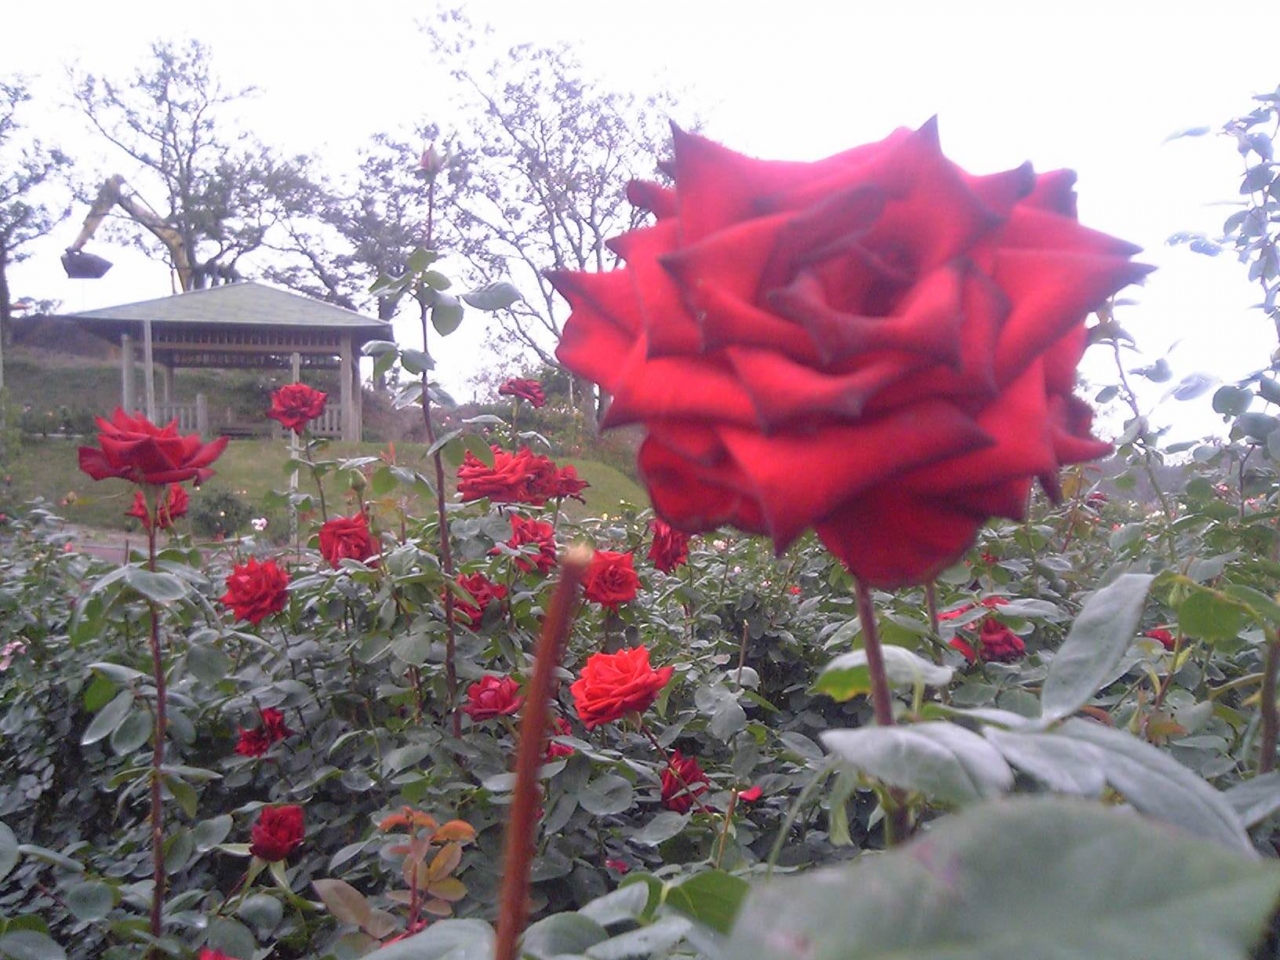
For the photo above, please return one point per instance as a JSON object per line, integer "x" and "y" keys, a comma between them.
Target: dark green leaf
{"x": 89, "y": 900}
{"x": 108, "y": 718}
{"x": 712, "y": 898}
{"x": 446, "y": 315}
{"x": 159, "y": 587}
{"x": 8, "y": 850}
{"x": 133, "y": 733}
{"x": 30, "y": 945}
{"x": 492, "y": 296}
{"x": 606, "y": 794}
{"x": 562, "y": 934}
{"x": 1212, "y": 616}
{"x": 1231, "y": 401}
{"x": 415, "y": 362}
{"x": 1094, "y": 647}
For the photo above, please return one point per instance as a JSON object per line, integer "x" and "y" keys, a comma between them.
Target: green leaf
{"x": 562, "y": 934}
{"x": 209, "y": 833}
{"x": 231, "y": 937}
{"x": 661, "y": 828}
{"x": 30, "y": 945}
{"x": 943, "y": 761}
{"x": 1018, "y": 879}
{"x": 1253, "y": 801}
{"x": 712, "y": 898}
{"x": 446, "y": 315}
{"x": 415, "y": 362}
{"x": 443, "y": 441}
{"x": 133, "y": 733}
{"x": 89, "y": 899}
{"x": 628, "y": 902}
{"x": 847, "y": 675}
{"x": 444, "y": 940}
{"x": 1212, "y": 616}
{"x": 479, "y": 447}
{"x": 8, "y": 850}
{"x": 184, "y": 793}
{"x": 50, "y": 856}
{"x": 342, "y": 900}
{"x": 208, "y": 663}
{"x": 652, "y": 940}
{"x": 378, "y": 348}
{"x": 606, "y": 794}
{"x": 108, "y": 718}
{"x": 1060, "y": 763}
{"x": 262, "y": 911}
{"x": 158, "y": 587}
{"x": 1093, "y": 649}
{"x": 492, "y": 296}
{"x": 1231, "y": 401}
{"x": 1159, "y": 785}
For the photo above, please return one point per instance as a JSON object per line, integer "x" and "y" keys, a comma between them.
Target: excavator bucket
{"x": 84, "y": 266}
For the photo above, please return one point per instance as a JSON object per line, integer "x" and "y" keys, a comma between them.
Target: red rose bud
{"x": 173, "y": 504}
{"x": 670, "y": 547}
{"x": 483, "y": 592}
{"x": 256, "y": 590}
{"x": 295, "y": 405}
{"x": 347, "y": 538}
{"x": 270, "y": 731}
{"x": 532, "y": 532}
{"x": 611, "y": 579}
{"x": 751, "y": 794}
{"x": 1162, "y": 636}
{"x": 682, "y": 781}
{"x": 613, "y": 685}
{"x": 278, "y": 832}
{"x": 618, "y": 866}
{"x": 898, "y": 333}
{"x": 998, "y": 643}
{"x": 492, "y": 697}
{"x": 527, "y": 390}
{"x": 135, "y": 449}
{"x": 430, "y": 163}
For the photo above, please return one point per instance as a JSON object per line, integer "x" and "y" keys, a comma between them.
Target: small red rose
{"x": 525, "y": 532}
{"x": 491, "y": 697}
{"x": 483, "y": 592}
{"x": 135, "y": 449}
{"x": 613, "y": 685}
{"x": 996, "y": 643}
{"x": 1163, "y": 636}
{"x": 751, "y": 794}
{"x": 670, "y": 547}
{"x": 295, "y": 405}
{"x": 610, "y": 579}
{"x": 270, "y": 731}
{"x": 523, "y": 389}
{"x": 256, "y": 590}
{"x": 559, "y": 728}
{"x": 569, "y": 484}
{"x": 682, "y": 782}
{"x": 278, "y": 832}
{"x": 347, "y": 538}
{"x": 173, "y": 504}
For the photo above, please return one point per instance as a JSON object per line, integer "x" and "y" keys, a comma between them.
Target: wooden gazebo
{"x": 237, "y": 325}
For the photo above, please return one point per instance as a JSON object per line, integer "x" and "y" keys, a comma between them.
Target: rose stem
{"x": 1270, "y": 720}
{"x": 306, "y": 449}
{"x": 935, "y": 626}
{"x": 153, "y": 495}
{"x": 724, "y": 832}
{"x": 895, "y": 824}
{"x": 523, "y": 825}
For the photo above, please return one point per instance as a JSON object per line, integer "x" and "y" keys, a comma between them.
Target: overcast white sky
{"x": 1092, "y": 85}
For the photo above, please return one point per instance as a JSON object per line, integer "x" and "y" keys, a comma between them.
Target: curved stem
{"x": 1267, "y": 705}
{"x": 896, "y": 822}
{"x": 158, "y": 734}
{"x": 523, "y": 825}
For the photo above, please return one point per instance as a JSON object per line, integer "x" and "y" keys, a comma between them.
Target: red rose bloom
{"x": 483, "y": 590}
{"x": 618, "y": 866}
{"x": 878, "y": 345}
{"x": 347, "y": 538}
{"x": 135, "y": 449}
{"x": 569, "y": 484}
{"x": 532, "y": 532}
{"x": 610, "y": 579}
{"x": 207, "y": 954}
{"x": 682, "y": 781}
{"x": 256, "y": 590}
{"x": 295, "y": 405}
{"x": 996, "y": 643}
{"x": 491, "y": 697}
{"x": 522, "y": 477}
{"x": 1162, "y": 635}
{"x": 173, "y": 504}
{"x": 270, "y": 731}
{"x": 559, "y": 728}
{"x": 522, "y": 389}
{"x": 751, "y": 794}
{"x": 278, "y": 832}
{"x": 613, "y": 685}
{"x": 670, "y": 547}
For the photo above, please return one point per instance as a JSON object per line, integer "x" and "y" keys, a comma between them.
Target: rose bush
{"x": 878, "y": 346}
{"x": 611, "y": 579}
{"x": 277, "y": 832}
{"x": 256, "y": 590}
{"x": 613, "y": 685}
{"x": 295, "y": 405}
{"x": 347, "y": 538}
{"x": 135, "y": 449}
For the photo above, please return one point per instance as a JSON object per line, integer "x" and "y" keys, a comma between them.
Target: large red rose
{"x": 682, "y": 781}
{"x": 135, "y": 449}
{"x": 491, "y": 697}
{"x": 256, "y": 590}
{"x": 670, "y": 546}
{"x": 532, "y": 532}
{"x": 613, "y": 685}
{"x": 521, "y": 477}
{"x": 522, "y": 389}
{"x": 347, "y": 538}
{"x": 610, "y": 579}
{"x": 878, "y": 345}
{"x": 173, "y": 504}
{"x": 483, "y": 592}
{"x": 278, "y": 832}
{"x": 295, "y": 405}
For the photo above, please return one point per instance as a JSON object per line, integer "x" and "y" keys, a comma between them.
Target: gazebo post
{"x": 344, "y": 381}
{"x": 149, "y": 370}
{"x": 127, "y": 399}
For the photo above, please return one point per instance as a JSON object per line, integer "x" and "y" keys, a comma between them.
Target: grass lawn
{"x": 249, "y": 469}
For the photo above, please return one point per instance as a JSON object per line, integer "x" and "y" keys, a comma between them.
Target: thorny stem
{"x": 523, "y": 825}
{"x": 742, "y": 654}
{"x": 1267, "y": 704}
{"x": 153, "y": 495}
{"x": 306, "y": 450}
{"x": 896, "y": 825}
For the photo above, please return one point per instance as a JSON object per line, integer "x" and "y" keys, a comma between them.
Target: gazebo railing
{"x": 191, "y": 417}
{"x": 194, "y": 418}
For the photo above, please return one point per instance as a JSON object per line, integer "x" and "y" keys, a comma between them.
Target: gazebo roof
{"x": 236, "y": 305}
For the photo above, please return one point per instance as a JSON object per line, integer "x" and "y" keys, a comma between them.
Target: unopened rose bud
{"x": 431, "y": 163}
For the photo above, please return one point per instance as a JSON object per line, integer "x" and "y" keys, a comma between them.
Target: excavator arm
{"x": 115, "y": 192}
